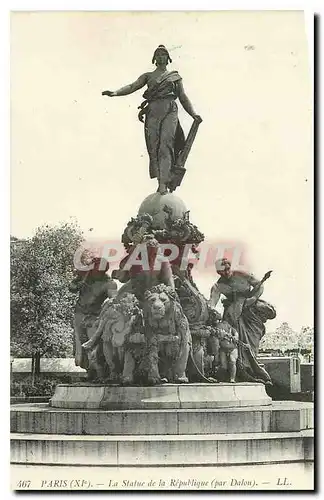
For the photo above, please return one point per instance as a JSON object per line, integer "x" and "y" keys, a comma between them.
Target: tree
{"x": 306, "y": 338}
{"x": 282, "y": 338}
{"x": 285, "y": 338}
{"x": 41, "y": 303}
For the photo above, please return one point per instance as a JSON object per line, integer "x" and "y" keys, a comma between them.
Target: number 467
{"x": 23, "y": 484}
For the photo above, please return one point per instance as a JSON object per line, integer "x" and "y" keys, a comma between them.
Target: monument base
{"x": 168, "y": 396}
{"x": 162, "y": 426}
{"x": 282, "y": 416}
{"x": 162, "y": 450}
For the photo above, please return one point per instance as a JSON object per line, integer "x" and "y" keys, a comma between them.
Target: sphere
{"x": 154, "y": 205}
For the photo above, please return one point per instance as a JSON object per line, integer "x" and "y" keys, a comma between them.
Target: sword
{"x": 178, "y": 170}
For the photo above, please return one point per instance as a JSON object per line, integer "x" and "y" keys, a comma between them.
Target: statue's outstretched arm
{"x": 257, "y": 288}
{"x": 128, "y": 89}
{"x": 256, "y": 292}
{"x": 186, "y": 104}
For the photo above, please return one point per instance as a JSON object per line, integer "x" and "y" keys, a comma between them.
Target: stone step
{"x": 279, "y": 417}
{"x": 161, "y": 450}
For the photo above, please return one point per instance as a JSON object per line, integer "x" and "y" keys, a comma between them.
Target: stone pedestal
{"x": 289, "y": 416}
{"x": 171, "y": 425}
{"x": 162, "y": 450}
{"x": 168, "y": 396}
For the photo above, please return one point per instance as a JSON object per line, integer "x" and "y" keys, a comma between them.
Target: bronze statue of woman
{"x": 163, "y": 134}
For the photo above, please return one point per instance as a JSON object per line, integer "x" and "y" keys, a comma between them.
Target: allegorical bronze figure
{"x": 164, "y": 136}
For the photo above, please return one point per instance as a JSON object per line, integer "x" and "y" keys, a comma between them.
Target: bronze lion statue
{"x": 168, "y": 339}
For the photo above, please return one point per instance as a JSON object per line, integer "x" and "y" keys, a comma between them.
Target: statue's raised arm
{"x": 164, "y": 136}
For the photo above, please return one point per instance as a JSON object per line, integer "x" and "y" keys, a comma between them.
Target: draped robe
{"x": 164, "y": 136}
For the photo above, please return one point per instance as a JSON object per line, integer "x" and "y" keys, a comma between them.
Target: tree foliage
{"x": 41, "y": 304}
{"x": 285, "y": 338}
{"x": 306, "y": 338}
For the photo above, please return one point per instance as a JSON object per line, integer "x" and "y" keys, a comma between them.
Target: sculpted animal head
{"x": 159, "y": 301}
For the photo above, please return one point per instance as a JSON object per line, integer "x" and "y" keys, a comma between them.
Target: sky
{"x": 249, "y": 175}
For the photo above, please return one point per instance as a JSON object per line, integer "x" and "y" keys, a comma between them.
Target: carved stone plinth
{"x": 171, "y": 425}
{"x": 163, "y": 450}
{"x": 281, "y": 416}
{"x": 167, "y": 396}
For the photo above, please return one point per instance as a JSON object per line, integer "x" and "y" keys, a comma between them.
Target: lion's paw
{"x": 154, "y": 380}
{"x": 127, "y": 381}
{"x": 181, "y": 380}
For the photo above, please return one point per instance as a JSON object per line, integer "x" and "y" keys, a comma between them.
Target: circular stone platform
{"x": 167, "y": 396}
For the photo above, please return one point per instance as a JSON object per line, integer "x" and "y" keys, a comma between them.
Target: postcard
{"x": 161, "y": 251}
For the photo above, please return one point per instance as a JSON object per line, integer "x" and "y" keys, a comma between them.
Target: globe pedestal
{"x": 154, "y": 204}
